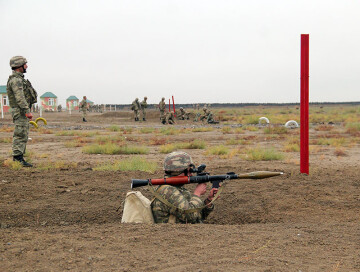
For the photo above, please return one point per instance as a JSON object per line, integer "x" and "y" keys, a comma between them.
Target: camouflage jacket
{"x": 162, "y": 105}
{"x": 135, "y": 105}
{"x": 20, "y": 92}
{"x": 144, "y": 104}
{"x": 181, "y": 198}
{"x": 83, "y": 105}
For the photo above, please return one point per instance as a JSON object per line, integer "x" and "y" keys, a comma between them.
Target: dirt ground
{"x": 67, "y": 219}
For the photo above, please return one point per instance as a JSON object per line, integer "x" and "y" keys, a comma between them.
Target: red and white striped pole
{"x": 173, "y": 105}
{"x": 304, "y": 105}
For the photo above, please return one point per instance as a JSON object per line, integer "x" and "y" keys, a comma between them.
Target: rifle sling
{"x": 174, "y": 208}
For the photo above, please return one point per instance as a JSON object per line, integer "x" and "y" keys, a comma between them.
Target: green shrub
{"x": 261, "y": 154}
{"x": 132, "y": 164}
{"x": 218, "y": 150}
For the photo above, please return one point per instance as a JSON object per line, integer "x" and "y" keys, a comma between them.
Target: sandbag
{"x": 137, "y": 209}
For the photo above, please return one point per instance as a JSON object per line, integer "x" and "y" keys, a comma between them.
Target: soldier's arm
{"x": 18, "y": 89}
{"x": 175, "y": 197}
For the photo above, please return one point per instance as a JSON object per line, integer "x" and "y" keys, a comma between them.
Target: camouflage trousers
{"x": 136, "y": 114}
{"x": 83, "y": 113}
{"x": 21, "y": 133}
{"x": 143, "y": 113}
{"x": 162, "y": 115}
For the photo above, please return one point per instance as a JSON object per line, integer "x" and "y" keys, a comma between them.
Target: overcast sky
{"x": 197, "y": 50}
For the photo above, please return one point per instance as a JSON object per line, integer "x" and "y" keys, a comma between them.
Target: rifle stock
{"x": 180, "y": 180}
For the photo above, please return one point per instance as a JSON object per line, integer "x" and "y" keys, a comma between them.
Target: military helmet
{"x": 17, "y": 61}
{"x": 163, "y": 98}
{"x": 136, "y": 99}
{"x": 176, "y": 162}
{"x": 145, "y": 97}
{"x": 181, "y": 108}
{"x": 204, "y": 108}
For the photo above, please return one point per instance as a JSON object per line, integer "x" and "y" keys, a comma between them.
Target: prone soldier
{"x": 182, "y": 206}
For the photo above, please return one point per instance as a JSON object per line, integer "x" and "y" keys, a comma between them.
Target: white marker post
{"x": 40, "y": 110}
{"x": 2, "y": 108}
{"x": 70, "y": 107}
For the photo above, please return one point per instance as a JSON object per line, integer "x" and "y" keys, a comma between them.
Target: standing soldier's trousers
{"x": 21, "y": 133}
{"x": 162, "y": 114}
{"x": 136, "y": 114}
{"x": 84, "y": 114}
{"x": 143, "y": 113}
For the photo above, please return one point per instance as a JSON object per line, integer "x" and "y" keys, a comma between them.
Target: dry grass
{"x": 132, "y": 164}
{"x": 113, "y": 149}
{"x": 6, "y": 140}
{"x": 6, "y": 129}
{"x": 262, "y": 154}
{"x": 14, "y": 165}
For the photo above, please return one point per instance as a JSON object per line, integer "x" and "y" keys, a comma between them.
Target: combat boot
{"x": 20, "y": 159}
{"x": 84, "y": 120}
{"x": 144, "y": 119}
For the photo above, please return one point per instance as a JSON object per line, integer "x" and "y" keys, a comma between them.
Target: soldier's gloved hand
{"x": 29, "y": 116}
{"x": 200, "y": 189}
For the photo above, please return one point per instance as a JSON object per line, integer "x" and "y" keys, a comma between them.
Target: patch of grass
{"x": 114, "y": 128}
{"x": 168, "y": 148}
{"x": 275, "y": 130}
{"x": 6, "y": 140}
{"x": 42, "y": 130}
{"x": 169, "y": 131}
{"x": 196, "y": 144}
{"x": 132, "y": 164}
{"x": 233, "y": 141}
{"x": 218, "y": 150}
{"x": 110, "y": 139}
{"x": 251, "y": 120}
{"x": 261, "y": 154}
{"x": 202, "y": 129}
{"x": 324, "y": 128}
{"x": 337, "y": 142}
{"x": 14, "y": 165}
{"x": 239, "y": 130}
{"x": 77, "y": 133}
{"x": 292, "y": 147}
{"x": 353, "y": 129}
{"x": 251, "y": 128}
{"x": 226, "y": 130}
{"x": 147, "y": 130}
{"x": 113, "y": 149}
{"x": 158, "y": 141}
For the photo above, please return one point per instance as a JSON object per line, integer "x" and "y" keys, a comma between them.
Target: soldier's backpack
{"x": 137, "y": 209}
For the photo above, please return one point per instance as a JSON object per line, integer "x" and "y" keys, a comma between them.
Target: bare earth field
{"x": 63, "y": 215}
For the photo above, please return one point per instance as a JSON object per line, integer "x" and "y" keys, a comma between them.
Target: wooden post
{"x": 304, "y": 105}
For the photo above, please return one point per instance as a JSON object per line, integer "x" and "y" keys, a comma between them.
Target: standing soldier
{"x": 84, "y": 105}
{"x": 135, "y": 106}
{"x": 21, "y": 97}
{"x": 162, "y": 108}
{"x": 143, "y": 108}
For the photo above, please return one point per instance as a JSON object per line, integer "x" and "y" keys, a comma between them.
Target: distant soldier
{"x": 183, "y": 115}
{"x": 21, "y": 96}
{"x": 143, "y": 108}
{"x": 135, "y": 106}
{"x": 59, "y": 108}
{"x": 208, "y": 116}
{"x": 162, "y": 108}
{"x": 84, "y": 105}
{"x": 168, "y": 118}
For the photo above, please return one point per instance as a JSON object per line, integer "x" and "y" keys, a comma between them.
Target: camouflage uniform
{"x": 179, "y": 197}
{"x": 135, "y": 106}
{"x": 162, "y": 108}
{"x": 143, "y": 108}
{"x": 208, "y": 116}
{"x": 21, "y": 97}
{"x": 170, "y": 118}
{"x": 83, "y": 107}
{"x": 183, "y": 114}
